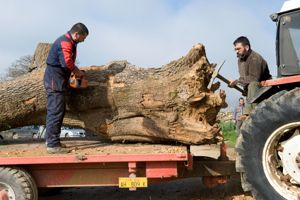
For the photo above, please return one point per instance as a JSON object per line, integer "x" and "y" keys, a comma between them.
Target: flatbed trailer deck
{"x": 95, "y": 163}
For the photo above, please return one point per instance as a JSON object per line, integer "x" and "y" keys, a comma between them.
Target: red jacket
{"x": 60, "y": 63}
{"x": 63, "y": 53}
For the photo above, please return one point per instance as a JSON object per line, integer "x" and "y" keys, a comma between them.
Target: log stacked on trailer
{"x": 125, "y": 102}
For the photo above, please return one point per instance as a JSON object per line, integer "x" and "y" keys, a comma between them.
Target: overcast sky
{"x": 147, "y": 33}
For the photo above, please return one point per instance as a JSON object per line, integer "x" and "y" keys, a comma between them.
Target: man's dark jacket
{"x": 60, "y": 63}
{"x": 253, "y": 68}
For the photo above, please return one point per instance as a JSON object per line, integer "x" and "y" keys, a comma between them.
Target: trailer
{"x": 25, "y": 167}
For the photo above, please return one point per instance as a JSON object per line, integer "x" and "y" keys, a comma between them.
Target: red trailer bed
{"x": 94, "y": 163}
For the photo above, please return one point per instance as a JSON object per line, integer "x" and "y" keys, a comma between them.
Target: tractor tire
{"x": 33, "y": 185}
{"x": 274, "y": 122}
{"x": 18, "y": 183}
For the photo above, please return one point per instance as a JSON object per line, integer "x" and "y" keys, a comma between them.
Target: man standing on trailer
{"x": 252, "y": 69}
{"x": 60, "y": 65}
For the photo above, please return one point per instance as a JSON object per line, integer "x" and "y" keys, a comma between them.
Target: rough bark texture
{"x": 39, "y": 57}
{"x": 125, "y": 102}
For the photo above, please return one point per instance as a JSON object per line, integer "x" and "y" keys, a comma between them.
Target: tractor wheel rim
{"x": 273, "y": 163}
{"x": 9, "y": 190}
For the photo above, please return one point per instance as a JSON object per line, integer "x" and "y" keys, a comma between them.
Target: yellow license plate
{"x": 133, "y": 182}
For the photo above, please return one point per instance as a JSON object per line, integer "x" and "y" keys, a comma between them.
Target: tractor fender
{"x": 263, "y": 93}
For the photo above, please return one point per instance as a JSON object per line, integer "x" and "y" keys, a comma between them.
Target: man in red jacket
{"x": 60, "y": 65}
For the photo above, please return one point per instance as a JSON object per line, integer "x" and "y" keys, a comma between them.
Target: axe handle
{"x": 222, "y": 78}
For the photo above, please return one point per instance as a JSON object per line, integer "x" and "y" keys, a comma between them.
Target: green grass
{"x": 228, "y": 129}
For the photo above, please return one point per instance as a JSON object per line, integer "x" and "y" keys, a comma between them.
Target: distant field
{"x": 228, "y": 129}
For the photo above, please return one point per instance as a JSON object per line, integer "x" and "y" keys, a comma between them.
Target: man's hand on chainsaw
{"x": 232, "y": 83}
{"x": 78, "y": 73}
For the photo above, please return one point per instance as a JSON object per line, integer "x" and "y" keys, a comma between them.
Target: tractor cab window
{"x": 289, "y": 43}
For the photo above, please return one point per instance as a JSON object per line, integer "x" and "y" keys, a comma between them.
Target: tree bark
{"x": 125, "y": 102}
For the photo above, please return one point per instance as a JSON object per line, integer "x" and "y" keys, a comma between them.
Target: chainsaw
{"x": 77, "y": 83}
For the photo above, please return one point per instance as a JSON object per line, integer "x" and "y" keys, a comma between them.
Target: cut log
{"x": 125, "y": 102}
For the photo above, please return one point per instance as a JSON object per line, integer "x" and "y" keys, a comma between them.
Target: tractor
{"x": 268, "y": 148}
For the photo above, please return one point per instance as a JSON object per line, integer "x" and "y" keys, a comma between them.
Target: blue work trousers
{"x": 55, "y": 82}
{"x": 56, "y": 109}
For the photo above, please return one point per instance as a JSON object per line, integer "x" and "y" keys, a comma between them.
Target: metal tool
{"x": 222, "y": 78}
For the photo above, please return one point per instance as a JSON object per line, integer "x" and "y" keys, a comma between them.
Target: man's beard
{"x": 241, "y": 56}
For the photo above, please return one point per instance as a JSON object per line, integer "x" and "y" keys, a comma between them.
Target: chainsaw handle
{"x": 78, "y": 73}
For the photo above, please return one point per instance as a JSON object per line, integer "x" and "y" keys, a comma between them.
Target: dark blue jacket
{"x": 63, "y": 52}
{"x": 60, "y": 63}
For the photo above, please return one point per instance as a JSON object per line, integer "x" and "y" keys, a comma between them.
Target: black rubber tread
{"x": 270, "y": 114}
{"x": 32, "y": 183}
{"x": 20, "y": 182}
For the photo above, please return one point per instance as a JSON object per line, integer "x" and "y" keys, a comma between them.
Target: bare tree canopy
{"x": 20, "y": 66}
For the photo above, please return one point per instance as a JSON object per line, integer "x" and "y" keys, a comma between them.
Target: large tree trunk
{"x": 124, "y": 102}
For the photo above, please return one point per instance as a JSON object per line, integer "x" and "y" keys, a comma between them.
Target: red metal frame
{"x": 281, "y": 81}
{"x": 72, "y": 170}
{"x": 72, "y": 159}
{"x": 101, "y": 174}
{"x": 99, "y": 170}
{"x": 161, "y": 169}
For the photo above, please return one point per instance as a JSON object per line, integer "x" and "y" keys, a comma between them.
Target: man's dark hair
{"x": 242, "y": 39}
{"x": 241, "y": 98}
{"x": 80, "y": 28}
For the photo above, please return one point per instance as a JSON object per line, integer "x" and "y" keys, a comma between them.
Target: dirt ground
{"x": 187, "y": 189}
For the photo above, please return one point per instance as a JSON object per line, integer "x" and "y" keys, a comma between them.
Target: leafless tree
{"x": 2, "y": 77}
{"x": 19, "y": 67}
